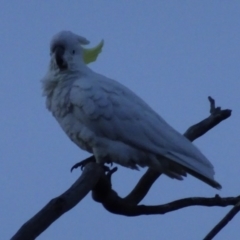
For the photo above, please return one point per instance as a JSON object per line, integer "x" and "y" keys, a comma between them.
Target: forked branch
{"x": 94, "y": 178}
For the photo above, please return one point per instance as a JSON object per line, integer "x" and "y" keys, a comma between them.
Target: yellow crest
{"x": 91, "y": 54}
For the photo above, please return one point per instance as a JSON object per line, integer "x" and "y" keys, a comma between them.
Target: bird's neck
{"x": 56, "y": 80}
{"x": 55, "y": 77}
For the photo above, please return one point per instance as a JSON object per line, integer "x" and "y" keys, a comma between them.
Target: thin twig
{"x": 138, "y": 210}
{"x": 229, "y": 216}
{"x": 217, "y": 116}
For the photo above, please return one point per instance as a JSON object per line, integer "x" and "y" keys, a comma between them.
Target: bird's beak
{"x": 59, "y": 57}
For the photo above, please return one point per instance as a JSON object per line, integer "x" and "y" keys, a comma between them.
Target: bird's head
{"x": 67, "y": 52}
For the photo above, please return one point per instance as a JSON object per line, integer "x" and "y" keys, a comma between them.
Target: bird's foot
{"x": 111, "y": 171}
{"x": 91, "y": 159}
{"x": 83, "y": 163}
{"x": 108, "y": 169}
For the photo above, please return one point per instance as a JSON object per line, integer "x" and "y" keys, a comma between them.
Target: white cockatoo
{"x": 105, "y": 118}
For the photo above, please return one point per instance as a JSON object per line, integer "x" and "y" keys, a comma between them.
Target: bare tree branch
{"x": 142, "y": 187}
{"x": 110, "y": 200}
{"x": 230, "y": 215}
{"x": 137, "y": 210}
{"x": 94, "y": 178}
{"x": 217, "y": 116}
{"x": 61, "y": 204}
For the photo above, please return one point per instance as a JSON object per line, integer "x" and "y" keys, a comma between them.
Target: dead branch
{"x": 216, "y": 116}
{"x": 61, "y": 204}
{"x": 121, "y": 208}
{"x": 229, "y": 216}
{"x": 94, "y": 178}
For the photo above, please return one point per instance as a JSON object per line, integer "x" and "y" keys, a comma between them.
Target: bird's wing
{"x": 113, "y": 111}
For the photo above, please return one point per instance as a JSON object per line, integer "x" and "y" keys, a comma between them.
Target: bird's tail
{"x": 179, "y": 166}
{"x": 201, "y": 177}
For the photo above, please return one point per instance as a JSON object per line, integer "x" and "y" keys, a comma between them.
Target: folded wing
{"x": 113, "y": 111}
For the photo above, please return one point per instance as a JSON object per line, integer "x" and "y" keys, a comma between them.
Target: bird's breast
{"x": 64, "y": 112}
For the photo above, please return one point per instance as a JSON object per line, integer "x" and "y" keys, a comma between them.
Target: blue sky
{"x": 173, "y": 54}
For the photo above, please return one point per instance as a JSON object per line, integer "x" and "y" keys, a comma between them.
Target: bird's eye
{"x": 73, "y": 51}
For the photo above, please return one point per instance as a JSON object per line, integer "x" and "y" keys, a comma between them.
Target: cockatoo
{"x": 105, "y": 118}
